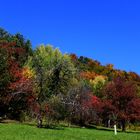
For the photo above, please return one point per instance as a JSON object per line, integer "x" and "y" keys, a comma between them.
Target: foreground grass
{"x": 15, "y": 131}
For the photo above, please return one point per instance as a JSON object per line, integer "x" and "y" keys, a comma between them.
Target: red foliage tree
{"x": 122, "y": 101}
{"x": 18, "y": 88}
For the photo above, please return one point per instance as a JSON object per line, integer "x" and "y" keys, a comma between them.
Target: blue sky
{"x": 106, "y": 30}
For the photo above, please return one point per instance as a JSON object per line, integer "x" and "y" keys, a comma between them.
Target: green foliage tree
{"x": 97, "y": 85}
{"x": 54, "y": 73}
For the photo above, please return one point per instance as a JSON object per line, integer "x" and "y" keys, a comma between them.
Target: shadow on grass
{"x": 54, "y": 127}
{"x": 133, "y": 132}
{"x": 99, "y": 128}
{"x": 110, "y": 129}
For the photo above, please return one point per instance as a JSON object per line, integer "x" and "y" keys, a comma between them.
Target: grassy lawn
{"x": 15, "y": 131}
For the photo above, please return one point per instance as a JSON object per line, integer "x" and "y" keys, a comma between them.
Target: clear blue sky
{"x": 106, "y": 30}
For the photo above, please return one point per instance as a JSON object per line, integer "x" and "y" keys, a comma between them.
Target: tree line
{"x": 45, "y": 84}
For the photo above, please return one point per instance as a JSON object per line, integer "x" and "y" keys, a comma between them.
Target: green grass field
{"x": 15, "y": 131}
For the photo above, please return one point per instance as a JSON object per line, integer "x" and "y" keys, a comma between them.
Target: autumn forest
{"x": 47, "y": 86}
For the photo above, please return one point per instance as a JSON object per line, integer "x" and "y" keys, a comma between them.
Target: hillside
{"x": 45, "y": 84}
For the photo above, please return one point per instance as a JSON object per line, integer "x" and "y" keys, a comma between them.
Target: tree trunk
{"x": 123, "y": 125}
{"x": 39, "y": 121}
{"x": 108, "y": 125}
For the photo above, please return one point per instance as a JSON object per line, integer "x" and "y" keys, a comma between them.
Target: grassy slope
{"x": 26, "y": 132}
